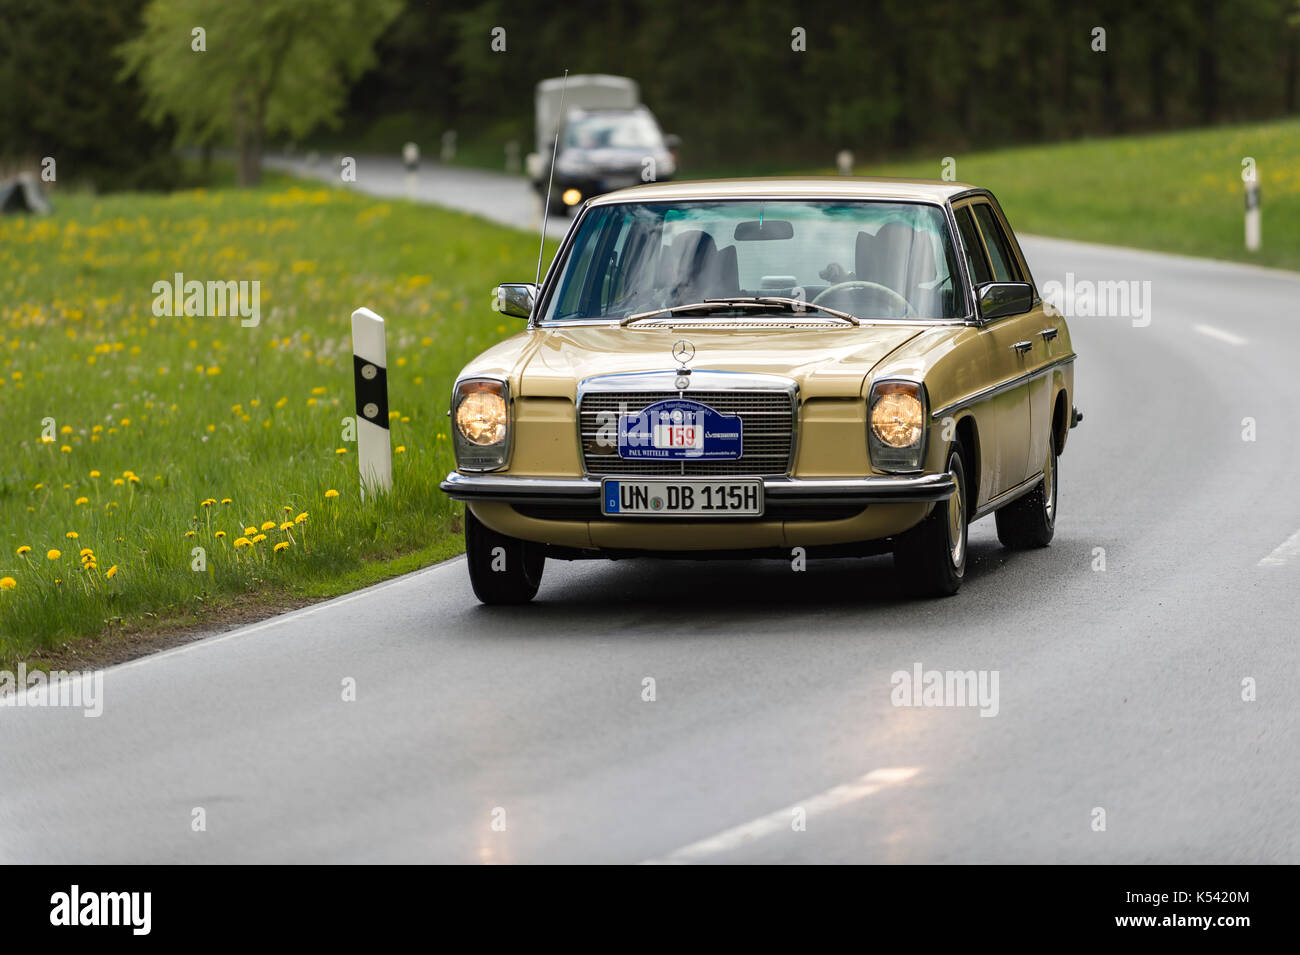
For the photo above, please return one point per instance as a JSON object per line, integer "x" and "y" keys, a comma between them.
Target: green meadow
{"x": 132, "y": 439}
{"x": 1172, "y": 192}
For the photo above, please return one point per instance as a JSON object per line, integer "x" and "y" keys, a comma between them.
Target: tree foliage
{"x": 59, "y": 96}
{"x": 877, "y": 75}
{"x": 251, "y": 68}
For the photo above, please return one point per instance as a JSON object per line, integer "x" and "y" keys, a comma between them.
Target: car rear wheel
{"x": 502, "y": 570}
{"x": 931, "y": 557}
{"x": 1030, "y": 521}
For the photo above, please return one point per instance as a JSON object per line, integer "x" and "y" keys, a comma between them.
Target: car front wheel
{"x": 1030, "y": 521}
{"x": 502, "y": 569}
{"x": 931, "y": 557}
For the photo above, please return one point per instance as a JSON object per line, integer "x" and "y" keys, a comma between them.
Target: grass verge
{"x": 142, "y": 450}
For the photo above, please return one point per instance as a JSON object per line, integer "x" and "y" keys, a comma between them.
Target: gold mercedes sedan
{"x": 786, "y": 368}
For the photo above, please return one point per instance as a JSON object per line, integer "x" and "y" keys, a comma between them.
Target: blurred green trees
{"x": 243, "y": 70}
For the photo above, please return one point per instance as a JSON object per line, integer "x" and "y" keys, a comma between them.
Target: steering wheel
{"x": 854, "y": 284}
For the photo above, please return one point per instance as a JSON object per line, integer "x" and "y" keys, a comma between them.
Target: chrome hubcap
{"x": 957, "y": 523}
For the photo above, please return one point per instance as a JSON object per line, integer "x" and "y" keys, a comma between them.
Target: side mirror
{"x": 672, "y": 142}
{"x": 1004, "y": 298}
{"x": 515, "y": 299}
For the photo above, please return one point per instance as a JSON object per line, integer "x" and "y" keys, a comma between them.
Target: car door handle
{"x": 1023, "y": 347}
{"x": 1048, "y": 334}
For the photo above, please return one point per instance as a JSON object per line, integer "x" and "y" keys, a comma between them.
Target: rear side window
{"x": 1005, "y": 268}
{"x": 970, "y": 238}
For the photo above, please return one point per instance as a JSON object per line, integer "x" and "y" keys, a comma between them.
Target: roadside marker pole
{"x": 411, "y": 160}
{"x": 1252, "y": 215}
{"x": 370, "y": 379}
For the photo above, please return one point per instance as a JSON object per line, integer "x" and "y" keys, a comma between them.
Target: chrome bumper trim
{"x": 782, "y": 490}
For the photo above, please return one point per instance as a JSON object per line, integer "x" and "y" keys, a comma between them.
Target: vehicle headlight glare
{"x": 482, "y": 418}
{"x": 896, "y": 425}
{"x": 897, "y": 419}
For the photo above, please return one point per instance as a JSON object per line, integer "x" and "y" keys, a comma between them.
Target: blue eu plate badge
{"x": 680, "y": 429}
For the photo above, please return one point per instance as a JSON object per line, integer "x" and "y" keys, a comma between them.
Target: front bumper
{"x": 791, "y": 492}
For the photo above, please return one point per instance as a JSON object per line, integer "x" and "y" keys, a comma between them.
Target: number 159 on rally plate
{"x": 632, "y": 498}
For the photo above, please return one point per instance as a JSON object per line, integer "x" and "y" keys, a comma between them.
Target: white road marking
{"x": 1212, "y": 332}
{"x": 778, "y": 821}
{"x": 1284, "y": 552}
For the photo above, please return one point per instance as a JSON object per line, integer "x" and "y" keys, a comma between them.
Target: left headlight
{"x": 480, "y": 415}
{"x": 896, "y": 426}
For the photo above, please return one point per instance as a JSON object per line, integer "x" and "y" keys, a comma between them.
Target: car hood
{"x": 824, "y": 361}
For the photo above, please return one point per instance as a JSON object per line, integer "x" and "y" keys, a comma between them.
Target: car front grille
{"x": 767, "y": 419}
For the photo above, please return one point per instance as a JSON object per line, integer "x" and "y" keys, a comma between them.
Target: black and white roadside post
{"x": 411, "y": 160}
{"x": 370, "y": 379}
{"x": 1252, "y": 213}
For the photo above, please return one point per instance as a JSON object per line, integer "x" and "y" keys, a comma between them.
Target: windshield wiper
{"x": 730, "y": 304}
{"x": 797, "y": 305}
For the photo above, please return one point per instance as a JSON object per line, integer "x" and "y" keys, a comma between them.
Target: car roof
{"x": 836, "y": 187}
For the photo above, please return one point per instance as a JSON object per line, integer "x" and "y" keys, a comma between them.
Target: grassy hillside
{"x": 1174, "y": 192}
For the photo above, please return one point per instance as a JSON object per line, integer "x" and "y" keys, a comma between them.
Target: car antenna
{"x": 546, "y": 203}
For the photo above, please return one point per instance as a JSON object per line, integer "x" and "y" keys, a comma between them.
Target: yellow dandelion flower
{"x": 208, "y": 503}
{"x": 250, "y": 531}
{"x": 189, "y": 533}
{"x": 7, "y": 583}
{"x": 268, "y": 525}
{"x": 219, "y": 534}
{"x": 125, "y": 422}
{"x": 38, "y": 487}
{"x": 133, "y": 479}
{"x": 225, "y": 500}
{"x": 111, "y": 572}
{"x": 341, "y": 451}
{"x": 287, "y": 509}
{"x": 400, "y": 449}
{"x": 318, "y": 390}
{"x": 85, "y": 551}
{"x": 80, "y": 501}
{"x": 94, "y": 474}
{"x": 65, "y": 449}
{"x": 259, "y": 538}
{"x": 71, "y": 535}
{"x": 331, "y": 493}
{"x": 24, "y": 550}
{"x": 53, "y": 554}
{"x": 287, "y": 526}
{"x": 282, "y": 402}
{"x": 242, "y": 542}
{"x": 300, "y": 518}
{"x": 118, "y": 482}
{"x": 281, "y": 546}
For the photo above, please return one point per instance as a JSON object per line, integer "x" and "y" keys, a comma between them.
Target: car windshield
{"x": 871, "y": 259}
{"x": 612, "y": 131}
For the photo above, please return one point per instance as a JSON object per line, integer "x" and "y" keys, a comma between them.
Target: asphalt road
{"x": 1119, "y": 689}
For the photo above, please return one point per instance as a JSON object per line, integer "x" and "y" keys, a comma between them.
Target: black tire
{"x": 931, "y": 557}
{"x": 1029, "y": 521}
{"x": 508, "y": 576}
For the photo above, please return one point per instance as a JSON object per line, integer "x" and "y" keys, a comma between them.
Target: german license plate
{"x": 621, "y": 497}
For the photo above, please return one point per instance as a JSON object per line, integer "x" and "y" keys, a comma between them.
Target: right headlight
{"x": 896, "y": 425}
{"x": 480, "y": 423}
